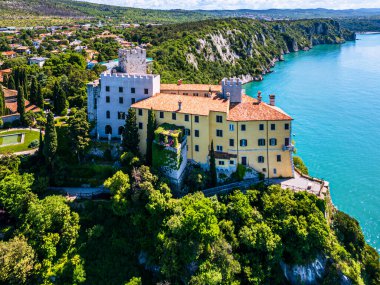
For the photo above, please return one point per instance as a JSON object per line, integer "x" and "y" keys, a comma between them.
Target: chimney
{"x": 179, "y": 82}
{"x": 272, "y": 100}
{"x": 259, "y": 98}
{"x": 228, "y": 95}
{"x": 179, "y": 105}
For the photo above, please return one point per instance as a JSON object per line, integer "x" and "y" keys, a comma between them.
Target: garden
{"x": 18, "y": 140}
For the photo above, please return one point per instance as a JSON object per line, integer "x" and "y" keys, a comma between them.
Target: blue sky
{"x": 242, "y": 4}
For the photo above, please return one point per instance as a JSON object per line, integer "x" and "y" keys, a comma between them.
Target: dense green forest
{"x": 145, "y": 235}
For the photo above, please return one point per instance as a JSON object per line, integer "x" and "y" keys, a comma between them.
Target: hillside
{"x": 208, "y": 51}
{"x": 26, "y": 11}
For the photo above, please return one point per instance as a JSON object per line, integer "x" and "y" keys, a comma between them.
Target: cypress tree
{"x": 11, "y": 83}
{"x": 131, "y": 137}
{"x": 214, "y": 177}
{"x": 2, "y": 102}
{"x": 152, "y": 126}
{"x": 50, "y": 142}
{"x": 60, "y": 103}
{"x": 41, "y": 146}
{"x": 21, "y": 104}
{"x": 33, "y": 91}
{"x": 5, "y": 80}
{"x": 40, "y": 97}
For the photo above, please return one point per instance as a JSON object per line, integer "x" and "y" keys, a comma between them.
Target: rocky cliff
{"x": 211, "y": 50}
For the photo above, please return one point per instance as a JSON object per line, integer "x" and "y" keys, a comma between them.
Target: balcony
{"x": 289, "y": 147}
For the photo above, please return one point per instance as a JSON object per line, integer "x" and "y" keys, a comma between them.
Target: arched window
{"x": 121, "y": 130}
{"x": 108, "y": 130}
{"x": 108, "y": 114}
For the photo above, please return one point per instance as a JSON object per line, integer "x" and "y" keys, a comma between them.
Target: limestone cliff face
{"x": 246, "y": 48}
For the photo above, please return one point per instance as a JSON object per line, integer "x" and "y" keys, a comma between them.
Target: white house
{"x": 110, "y": 98}
{"x": 40, "y": 61}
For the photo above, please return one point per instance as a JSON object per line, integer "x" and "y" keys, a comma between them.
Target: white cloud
{"x": 242, "y": 4}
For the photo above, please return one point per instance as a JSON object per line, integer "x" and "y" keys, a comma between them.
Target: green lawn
{"x": 29, "y": 137}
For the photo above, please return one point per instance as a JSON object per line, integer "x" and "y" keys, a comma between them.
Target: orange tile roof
{"x": 190, "y": 87}
{"x": 6, "y": 53}
{"x": 190, "y": 104}
{"x": 250, "y": 110}
{"x": 12, "y": 106}
{"x": 9, "y": 93}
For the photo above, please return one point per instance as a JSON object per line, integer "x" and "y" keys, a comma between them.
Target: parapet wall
{"x": 132, "y": 61}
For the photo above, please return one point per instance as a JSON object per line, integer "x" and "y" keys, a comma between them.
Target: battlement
{"x": 128, "y": 75}
{"x": 132, "y": 61}
{"x": 232, "y": 88}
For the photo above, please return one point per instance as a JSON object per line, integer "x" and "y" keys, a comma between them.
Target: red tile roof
{"x": 250, "y": 110}
{"x": 12, "y": 106}
{"x": 190, "y": 104}
{"x": 9, "y": 93}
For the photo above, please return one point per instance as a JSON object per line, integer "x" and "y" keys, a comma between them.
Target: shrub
{"x": 240, "y": 172}
{"x": 34, "y": 144}
{"x": 300, "y": 165}
{"x": 7, "y": 125}
{"x": 16, "y": 123}
{"x": 1, "y": 123}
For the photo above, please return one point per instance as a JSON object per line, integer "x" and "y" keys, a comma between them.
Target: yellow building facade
{"x": 244, "y": 130}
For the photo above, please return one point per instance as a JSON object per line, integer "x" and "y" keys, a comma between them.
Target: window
{"x": 196, "y": 94}
{"x": 141, "y": 126}
{"x": 232, "y": 162}
{"x": 219, "y": 119}
{"x": 108, "y": 114}
{"x": 279, "y": 158}
{"x": 120, "y": 130}
{"x": 108, "y": 130}
{"x": 196, "y": 119}
{"x": 261, "y": 142}
{"x": 264, "y": 170}
{"x": 174, "y": 116}
{"x": 133, "y": 100}
{"x": 219, "y": 148}
{"x": 196, "y": 133}
{"x": 261, "y": 127}
{"x": 121, "y": 100}
{"x": 133, "y": 90}
{"x": 221, "y": 162}
{"x": 286, "y": 126}
{"x": 244, "y": 160}
{"x": 242, "y": 128}
{"x": 162, "y": 115}
{"x": 95, "y": 103}
{"x": 219, "y": 133}
{"x": 287, "y": 141}
{"x": 273, "y": 142}
{"x": 243, "y": 142}
{"x": 108, "y": 99}
{"x": 186, "y": 118}
{"x": 185, "y": 93}
{"x": 232, "y": 127}
{"x": 121, "y": 115}
{"x": 273, "y": 127}
{"x": 232, "y": 142}
{"x": 121, "y": 89}
{"x": 140, "y": 112}
{"x": 187, "y": 132}
{"x": 107, "y": 89}
{"x": 146, "y": 91}
{"x": 196, "y": 147}
{"x": 260, "y": 159}
{"x": 274, "y": 171}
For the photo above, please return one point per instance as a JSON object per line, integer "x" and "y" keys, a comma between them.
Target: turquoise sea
{"x": 333, "y": 94}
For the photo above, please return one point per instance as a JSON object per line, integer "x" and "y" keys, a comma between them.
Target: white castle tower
{"x": 132, "y": 61}
{"x": 110, "y": 98}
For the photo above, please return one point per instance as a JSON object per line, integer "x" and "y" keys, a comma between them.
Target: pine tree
{"x": 2, "y": 102}
{"x": 21, "y": 105}
{"x": 60, "y": 103}
{"x": 33, "y": 91}
{"x": 11, "y": 83}
{"x": 152, "y": 126}
{"x": 131, "y": 137}
{"x": 40, "y": 97}
{"x": 214, "y": 177}
{"x": 50, "y": 143}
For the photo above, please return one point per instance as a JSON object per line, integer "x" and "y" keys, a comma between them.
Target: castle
{"x": 244, "y": 130}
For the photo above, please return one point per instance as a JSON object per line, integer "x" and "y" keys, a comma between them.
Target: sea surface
{"x": 333, "y": 94}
